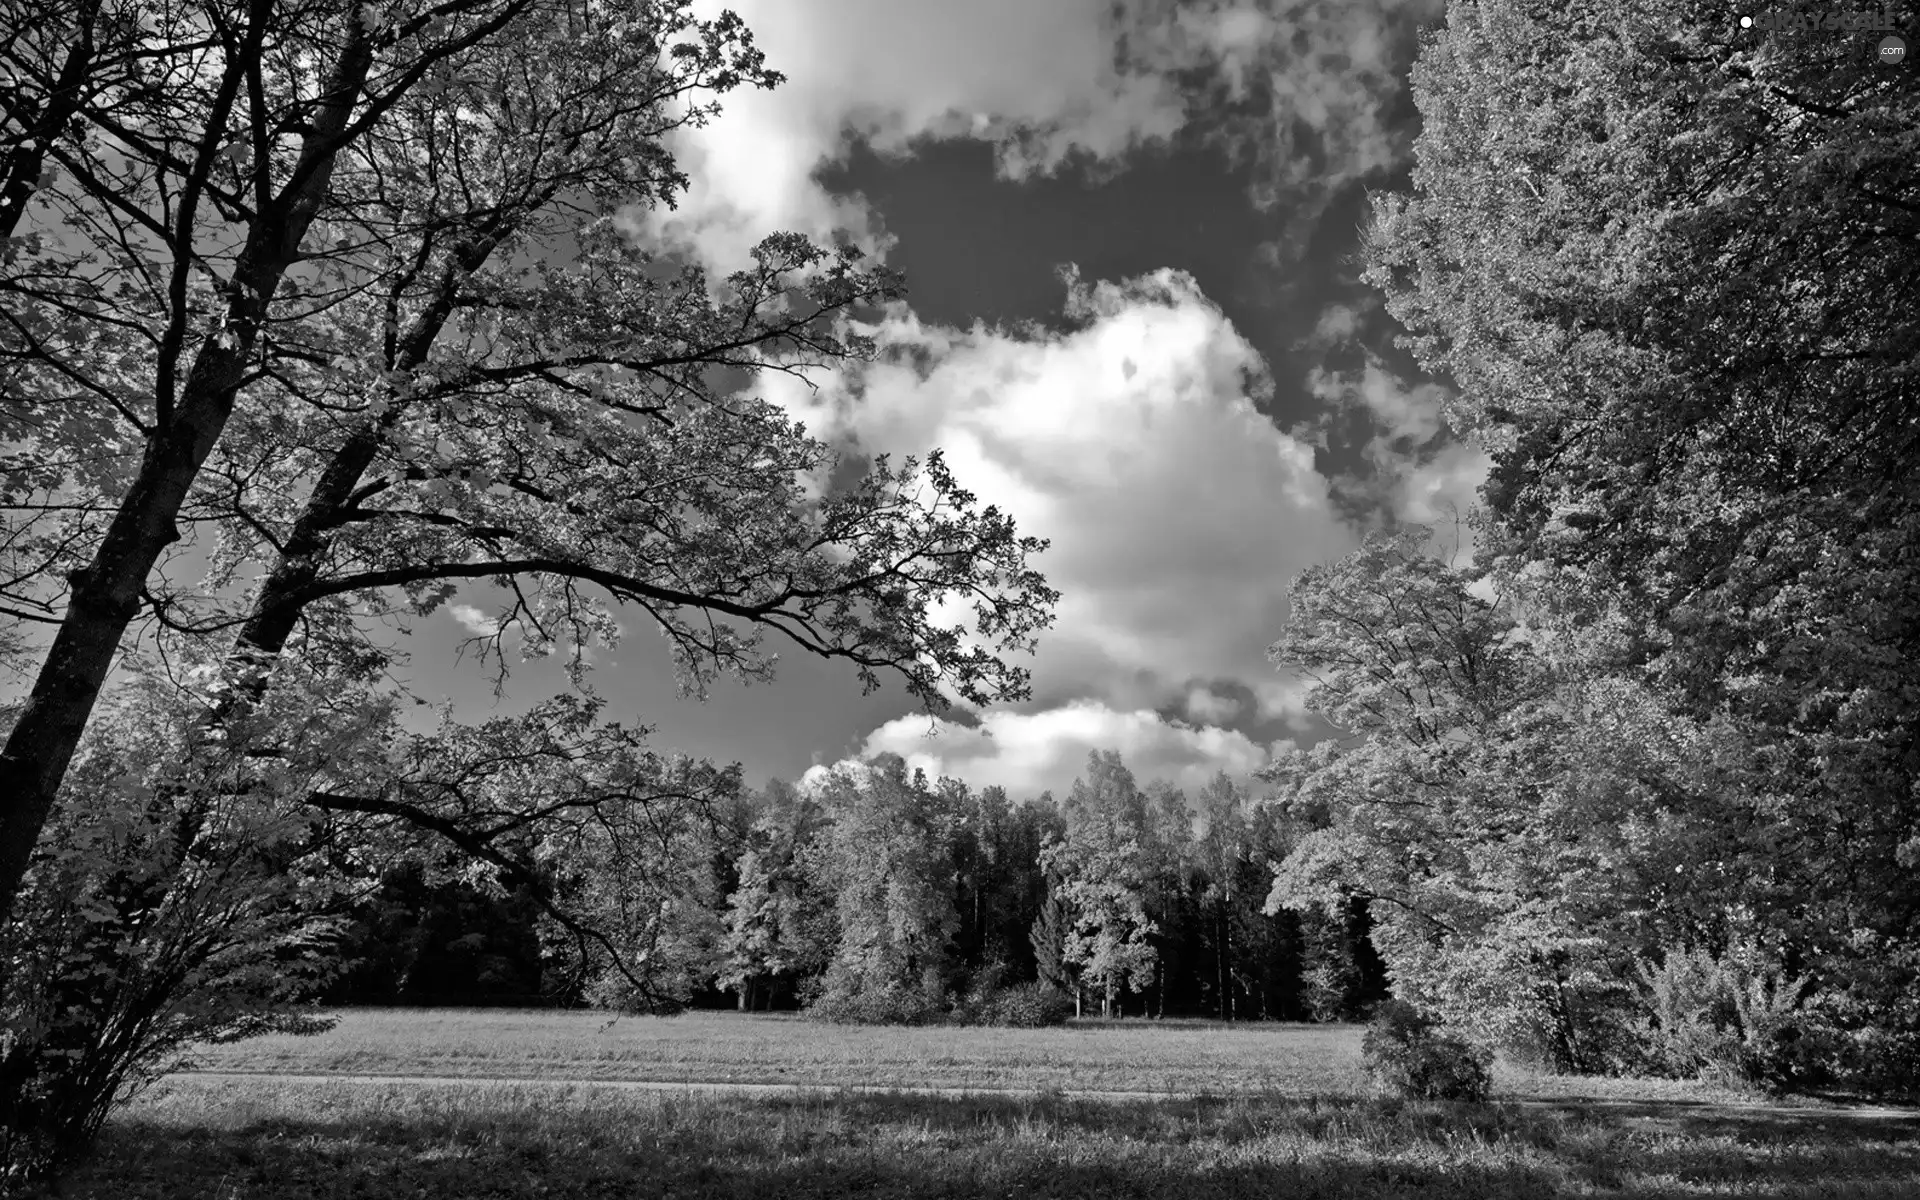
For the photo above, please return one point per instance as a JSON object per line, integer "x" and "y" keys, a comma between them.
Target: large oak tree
{"x": 342, "y": 289}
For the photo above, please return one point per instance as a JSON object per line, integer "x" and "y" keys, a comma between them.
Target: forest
{"x": 876, "y": 894}
{"x": 338, "y": 294}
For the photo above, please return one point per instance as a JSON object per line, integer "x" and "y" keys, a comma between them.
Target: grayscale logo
{"x": 1850, "y": 21}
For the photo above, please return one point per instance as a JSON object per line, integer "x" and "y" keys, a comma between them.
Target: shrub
{"x": 889, "y": 1005}
{"x": 1030, "y": 1005}
{"x": 975, "y": 1006}
{"x": 163, "y": 907}
{"x": 1728, "y": 1017}
{"x": 1406, "y": 1052}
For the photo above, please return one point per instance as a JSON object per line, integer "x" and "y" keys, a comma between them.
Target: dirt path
{"x": 1661, "y": 1108}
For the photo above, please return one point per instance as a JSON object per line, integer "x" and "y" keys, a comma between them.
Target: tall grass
{"x": 264, "y": 1139}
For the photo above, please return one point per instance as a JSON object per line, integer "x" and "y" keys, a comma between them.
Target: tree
{"x": 200, "y": 871}
{"x": 1103, "y": 872}
{"x": 1222, "y": 851}
{"x": 1672, "y": 267}
{"x": 780, "y": 924}
{"x": 1048, "y": 939}
{"x": 1492, "y": 806}
{"x": 401, "y": 343}
{"x": 886, "y": 861}
{"x": 185, "y": 156}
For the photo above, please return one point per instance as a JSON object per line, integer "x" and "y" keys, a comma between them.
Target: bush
{"x": 889, "y": 1005}
{"x": 1406, "y": 1052}
{"x": 164, "y": 906}
{"x": 1726, "y": 1017}
{"x": 1030, "y": 1005}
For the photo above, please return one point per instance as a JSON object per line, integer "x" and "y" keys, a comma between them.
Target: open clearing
{"x": 1172, "y": 1057}
{"x": 1286, "y": 1115}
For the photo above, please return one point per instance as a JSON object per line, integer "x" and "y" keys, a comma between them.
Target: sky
{"x": 1130, "y": 231}
{"x": 1134, "y": 321}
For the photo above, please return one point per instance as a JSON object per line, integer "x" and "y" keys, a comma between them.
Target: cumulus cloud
{"x": 1282, "y": 696}
{"x": 1027, "y": 753}
{"x": 473, "y": 620}
{"x": 1421, "y": 473}
{"x": 1177, "y": 513}
{"x": 1338, "y": 326}
{"x": 1206, "y": 706}
{"x": 1401, "y": 411}
{"x": 1301, "y": 88}
{"x": 1443, "y": 488}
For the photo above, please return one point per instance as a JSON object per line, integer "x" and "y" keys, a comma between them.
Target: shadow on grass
{"x": 382, "y": 1144}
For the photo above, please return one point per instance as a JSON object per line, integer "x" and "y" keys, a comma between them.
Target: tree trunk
{"x": 106, "y": 592}
{"x": 1220, "y": 972}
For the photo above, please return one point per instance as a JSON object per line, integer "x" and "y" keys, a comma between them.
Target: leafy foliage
{"x": 1103, "y": 873}
{"x": 168, "y": 907}
{"x": 884, "y": 861}
{"x": 404, "y": 343}
{"x": 1406, "y": 1052}
{"x": 1727, "y": 1015}
{"x": 1028, "y": 1005}
{"x": 340, "y": 290}
{"x": 780, "y": 928}
{"x": 1671, "y": 267}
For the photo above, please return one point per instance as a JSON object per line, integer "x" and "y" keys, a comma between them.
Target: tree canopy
{"x": 341, "y": 290}
{"x": 1671, "y": 267}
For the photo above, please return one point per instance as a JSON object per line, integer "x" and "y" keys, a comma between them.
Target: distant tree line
{"x": 881, "y": 893}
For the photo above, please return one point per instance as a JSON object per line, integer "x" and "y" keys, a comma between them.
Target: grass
{"x": 1146, "y": 1056}
{"x": 267, "y": 1139}
{"x": 1278, "y": 1111}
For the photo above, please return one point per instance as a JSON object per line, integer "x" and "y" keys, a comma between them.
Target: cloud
{"x": 1338, "y": 326}
{"x": 1028, "y": 753}
{"x": 1444, "y": 487}
{"x": 1400, "y": 411}
{"x": 1177, "y": 513}
{"x": 1302, "y": 89}
{"x": 1330, "y": 73}
{"x": 473, "y": 620}
{"x": 1283, "y": 696}
{"x": 1420, "y": 472}
{"x": 1206, "y": 706}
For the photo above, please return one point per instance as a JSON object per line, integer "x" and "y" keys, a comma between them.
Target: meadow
{"x": 1176, "y": 1057}
{"x": 1269, "y": 1111}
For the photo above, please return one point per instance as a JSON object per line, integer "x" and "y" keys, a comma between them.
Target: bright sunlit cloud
{"x": 1177, "y": 513}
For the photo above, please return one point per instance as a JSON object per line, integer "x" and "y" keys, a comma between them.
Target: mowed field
{"x": 701, "y": 1047}
{"x": 1250, "y": 1111}
{"x": 1172, "y": 1057}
